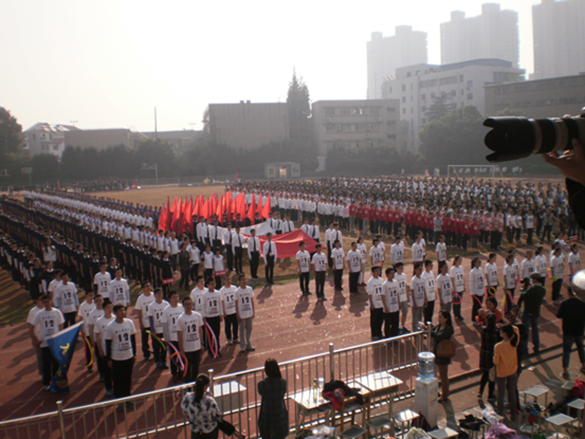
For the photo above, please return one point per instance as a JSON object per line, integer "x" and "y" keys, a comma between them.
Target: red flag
{"x": 174, "y": 208}
{"x": 187, "y": 221}
{"x": 177, "y": 214}
{"x": 213, "y": 204}
{"x": 220, "y": 207}
{"x": 241, "y": 206}
{"x": 198, "y": 205}
{"x": 252, "y": 209}
{"x": 163, "y": 219}
{"x": 266, "y": 208}
{"x": 205, "y": 209}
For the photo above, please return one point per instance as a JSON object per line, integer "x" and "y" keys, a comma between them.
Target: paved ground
{"x": 286, "y": 327}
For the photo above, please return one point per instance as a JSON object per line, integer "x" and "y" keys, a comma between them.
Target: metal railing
{"x": 158, "y": 413}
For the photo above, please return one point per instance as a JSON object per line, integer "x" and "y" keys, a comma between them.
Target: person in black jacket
{"x": 273, "y": 418}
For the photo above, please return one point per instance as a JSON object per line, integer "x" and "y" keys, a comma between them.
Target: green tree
{"x": 454, "y": 139}
{"x": 299, "y": 109}
{"x": 11, "y": 137}
{"x": 156, "y": 151}
{"x": 439, "y": 108}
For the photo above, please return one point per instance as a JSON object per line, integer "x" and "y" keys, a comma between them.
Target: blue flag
{"x": 62, "y": 346}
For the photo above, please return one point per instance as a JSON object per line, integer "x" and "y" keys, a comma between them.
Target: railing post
{"x": 61, "y": 418}
{"x": 331, "y": 361}
{"x": 210, "y": 373}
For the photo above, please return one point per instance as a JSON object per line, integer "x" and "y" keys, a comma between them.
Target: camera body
{"x": 513, "y": 138}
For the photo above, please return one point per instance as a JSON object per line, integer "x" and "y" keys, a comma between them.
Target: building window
{"x": 411, "y": 85}
{"x": 55, "y": 147}
{"x": 462, "y": 92}
{"x": 330, "y": 128}
{"x": 469, "y": 96}
{"x": 390, "y": 109}
{"x": 389, "y": 89}
{"x": 433, "y": 95}
{"x": 345, "y": 111}
{"x": 461, "y": 78}
{"x": 403, "y": 99}
{"x": 424, "y": 97}
{"x": 391, "y": 123}
{"x": 403, "y": 87}
{"x": 424, "y": 108}
{"x": 469, "y": 84}
{"x": 404, "y": 111}
{"x": 375, "y": 111}
{"x": 392, "y": 136}
{"x": 34, "y": 136}
{"x": 330, "y": 111}
{"x": 424, "y": 120}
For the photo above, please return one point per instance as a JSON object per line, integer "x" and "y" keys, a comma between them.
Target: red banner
{"x": 287, "y": 244}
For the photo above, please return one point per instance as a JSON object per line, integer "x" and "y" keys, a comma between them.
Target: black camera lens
{"x": 513, "y": 138}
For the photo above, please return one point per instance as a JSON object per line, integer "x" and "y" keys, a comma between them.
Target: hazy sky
{"x": 107, "y": 64}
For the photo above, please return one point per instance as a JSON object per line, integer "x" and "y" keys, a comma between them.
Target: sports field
{"x": 157, "y": 196}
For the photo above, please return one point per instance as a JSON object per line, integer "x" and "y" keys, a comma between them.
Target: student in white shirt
{"x": 254, "y": 253}
{"x": 541, "y": 264}
{"x": 155, "y": 315}
{"x": 445, "y": 288}
{"x": 476, "y": 288}
{"x": 376, "y": 254}
{"x": 319, "y": 262}
{"x": 528, "y": 265}
{"x": 194, "y": 260}
{"x": 510, "y": 278}
{"x": 228, "y": 297}
{"x": 303, "y": 268}
{"x": 218, "y": 267}
{"x": 397, "y": 251}
{"x": 355, "y": 266}
{"x": 66, "y": 300}
{"x": 212, "y": 308}
{"x": 430, "y": 290}
{"x": 145, "y": 299}
{"x": 189, "y": 334}
{"x": 403, "y": 294}
{"x": 338, "y": 263}
{"x": 207, "y": 257}
{"x": 99, "y": 339}
{"x": 228, "y": 237}
{"x": 329, "y": 245}
{"x": 490, "y": 271}
{"x": 574, "y": 260}
{"x": 102, "y": 280}
{"x": 45, "y": 323}
{"x": 418, "y": 251}
{"x": 197, "y": 295}
{"x": 83, "y": 313}
{"x": 94, "y": 315}
{"x": 557, "y": 266}
{"x": 417, "y": 296}
{"x": 246, "y": 312}
{"x": 119, "y": 290}
{"x": 120, "y": 351}
{"x": 376, "y": 302}
{"x": 270, "y": 257}
{"x": 361, "y": 247}
{"x": 391, "y": 301}
{"x": 54, "y": 284}
{"x": 169, "y": 319}
{"x": 29, "y": 319}
{"x": 238, "y": 241}
{"x": 441, "y": 250}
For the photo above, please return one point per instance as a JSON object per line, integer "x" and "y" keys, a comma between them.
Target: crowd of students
{"x": 54, "y": 245}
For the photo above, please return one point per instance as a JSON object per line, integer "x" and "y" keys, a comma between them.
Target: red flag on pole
{"x": 163, "y": 219}
{"x": 187, "y": 221}
{"x": 177, "y": 214}
{"x": 174, "y": 208}
{"x": 241, "y": 206}
{"x": 252, "y": 209}
{"x": 205, "y": 209}
{"x": 266, "y": 208}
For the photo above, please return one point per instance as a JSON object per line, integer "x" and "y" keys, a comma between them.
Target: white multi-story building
{"x": 493, "y": 34}
{"x": 461, "y": 84}
{"x": 385, "y": 54}
{"x": 356, "y": 124}
{"x": 559, "y": 38}
{"x": 44, "y": 138}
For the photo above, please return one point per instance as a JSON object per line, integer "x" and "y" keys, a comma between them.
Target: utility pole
{"x": 155, "y": 126}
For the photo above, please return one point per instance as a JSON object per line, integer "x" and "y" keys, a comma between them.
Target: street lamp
{"x": 147, "y": 167}
{"x": 27, "y": 171}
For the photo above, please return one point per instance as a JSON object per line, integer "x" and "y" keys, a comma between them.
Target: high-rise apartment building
{"x": 559, "y": 38}
{"x": 493, "y": 34}
{"x": 385, "y": 54}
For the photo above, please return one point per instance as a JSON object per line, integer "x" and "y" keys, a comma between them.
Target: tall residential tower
{"x": 385, "y": 54}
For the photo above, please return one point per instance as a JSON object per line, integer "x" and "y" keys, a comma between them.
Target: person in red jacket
{"x": 430, "y": 226}
{"x": 365, "y": 218}
{"x": 465, "y": 230}
{"x": 397, "y": 221}
{"x": 474, "y": 232}
{"x": 353, "y": 211}
{"x": 448, "y": 230}
{"x": 373, "y": 217}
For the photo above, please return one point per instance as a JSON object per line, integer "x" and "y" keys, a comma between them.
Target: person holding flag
{"x": 120, "y": 352}
{"x": 66, "y": 300}
{"x": 145, "y": 299}
{"x": 85, "y": 310}
{"x": 45, "y": 323}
